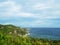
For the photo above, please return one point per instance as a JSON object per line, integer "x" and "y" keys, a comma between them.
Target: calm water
{"x": 50, "y": 33}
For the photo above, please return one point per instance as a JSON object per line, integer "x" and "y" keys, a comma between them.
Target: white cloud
{"x": 23, "y": 14}
{"x": 41, "y": 6}
{"x": 44, "y": 5}
{"x": 13, "y": 10}
{"x": 57, "y": 12}
{"x": 37, "y": 23}
{"x": 11, "y": 6}
{"x": 52, "y": 17}
{"x": 52, "y": 14}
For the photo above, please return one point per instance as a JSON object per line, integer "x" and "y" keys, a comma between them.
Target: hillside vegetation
{"x": 13, "y": 35}
{"x": 11, "y": 29}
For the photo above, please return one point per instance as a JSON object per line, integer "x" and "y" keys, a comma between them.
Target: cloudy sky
{"x": 30, "y": 13}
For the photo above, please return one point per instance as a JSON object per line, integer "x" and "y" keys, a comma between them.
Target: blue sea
{"x": 49, "y": 33}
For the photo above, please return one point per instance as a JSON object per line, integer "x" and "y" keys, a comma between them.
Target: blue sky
{"x": 30, "y": 13}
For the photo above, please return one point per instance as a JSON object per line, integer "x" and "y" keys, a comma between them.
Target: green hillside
{"x": 11, "y": 29}
{"x": 14, "y": 35}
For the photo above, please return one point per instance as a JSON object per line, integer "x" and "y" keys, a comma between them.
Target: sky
{"x": 30, "y": 13}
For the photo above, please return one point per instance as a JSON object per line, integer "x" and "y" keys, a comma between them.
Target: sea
{"x": 49, "y": 33}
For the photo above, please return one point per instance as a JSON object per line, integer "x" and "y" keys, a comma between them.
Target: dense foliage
{"x": 11, "y": 29}
{"x": 9, "y": 37}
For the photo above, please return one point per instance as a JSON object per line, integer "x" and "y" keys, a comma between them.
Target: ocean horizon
{"x": 49, "y": 33}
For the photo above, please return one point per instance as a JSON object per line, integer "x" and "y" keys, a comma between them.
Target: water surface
{"x": 50, "y": 33}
